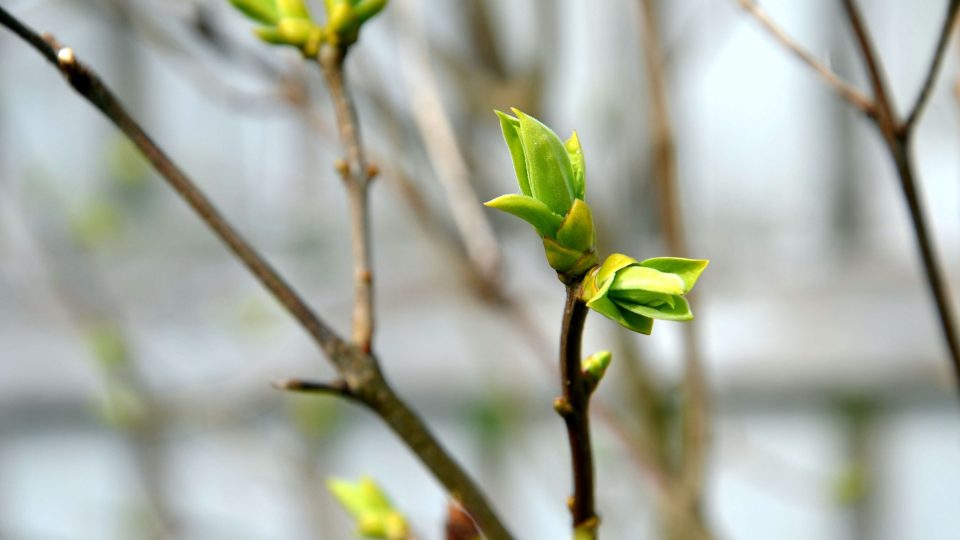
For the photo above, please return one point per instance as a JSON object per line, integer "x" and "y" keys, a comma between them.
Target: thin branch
{"x": 356, "y": 176}
{"x": 378, "y": 395}
{"x": 338, "y": 387}
{"x": 886, "y": 111}
{"x": 358, "y": 368}
{"x": 89, "y": 85}
{"x": 897, "y": 139}
{"x": 437, "y": 133}
{"x": 695, "y": 418}
{"x": 948, "y": 22}
{"x": 574, "y": 407}
{"x": 841, "y": 87}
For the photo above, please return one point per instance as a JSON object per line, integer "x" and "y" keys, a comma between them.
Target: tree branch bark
{"x": 358, "y": 368}
{"x": 574, "y": 408}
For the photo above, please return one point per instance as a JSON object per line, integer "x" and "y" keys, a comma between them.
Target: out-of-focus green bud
{"x": 344, "y": 18}
{"x": 551, "y": 177}
{"x": 634, "y": 293}
{"x": 368, "y": 8}
{"x": 108, "y": 346}
{"x": 594, "y": 367}
{"x": 264, "y": 11}
{"x": 369, "y": 505}
{"x": 293, "y": 9}
{"x": 288, "y": 22}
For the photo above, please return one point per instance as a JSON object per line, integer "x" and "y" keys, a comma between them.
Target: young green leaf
{"x": 296, "y": 9}
{"x": 548, "y": 165}
{"x": 680, "y": 311}
{"x": 689, "y": 270}
{"x": 368, "y": 8}
{"x": 264, "y": 11}
{"x": 578, "y": 165}
{"x": 576, "y": 231}
{"x": 530, "y": 210}
{"x": 647, "y": 279}
{"x": 510, "y": 127}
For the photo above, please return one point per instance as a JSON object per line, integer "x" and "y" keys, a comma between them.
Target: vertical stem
{"x": 896, "y": 135}
{"x": 356, "y": 176}
{"x": 574, "y": 408}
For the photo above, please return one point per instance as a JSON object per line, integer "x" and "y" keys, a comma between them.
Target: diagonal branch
{"x": 948, "y": 22}
{"x": 89, "y": 85}
{"x": 897, "y": 138}
{"x": 358, "y": 368}
{"x": 841, "y": 87}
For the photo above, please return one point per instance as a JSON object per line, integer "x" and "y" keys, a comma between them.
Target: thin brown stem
{"x": 927, "y": 88}
{"x": 896, "y": 136}
{"x": 89, "y": 85}
{"x": 841, "y": 87}
{"x": 358, "y": 368}
{"x": 356, "y": 176}
{"x": 574, "y": 407}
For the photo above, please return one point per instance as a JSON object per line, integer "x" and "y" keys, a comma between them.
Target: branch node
{"x": 562, "y": 406}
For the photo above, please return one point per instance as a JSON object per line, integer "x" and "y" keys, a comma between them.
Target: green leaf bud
{"x": 293, "y": 9}
{"x": 530, "y": 210}
{"x": 595, "y": 366}
{"x": 343, "y": 19}
{"x": 579, "y": 167}
{"x": 551, "y": 177}
{"x": 264, "y": 11}
{"x": 510, "y": 127}
{"x": 370, "y": 507}
{"x": 634, "y": 293}
{"x": 365, "y": 9}
{"x": 295, "y": 31}
{"x": 577, "y": 231}
{"x": 548, "y": 165}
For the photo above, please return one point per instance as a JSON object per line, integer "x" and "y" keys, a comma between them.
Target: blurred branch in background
{"x": 683, "y": 505}
{"x": 897, "y": 137}
{"x": 129, "y": 405}
{"x": 358, "y": 368}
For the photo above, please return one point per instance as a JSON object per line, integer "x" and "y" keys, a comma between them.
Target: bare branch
{"x": 695, "y": 417}
{"x": 89, "y": 85}
{"x": 437, "y": 133}
{"x": 948, "y": 23}
{"x": 359, "y": 369}
{"x": 841, "y": 87}
{"x": 897, "y": 139}
{"x": 574, "y": 408}
{"x": 356, "y": 176}
{"x": 337, "y": 388}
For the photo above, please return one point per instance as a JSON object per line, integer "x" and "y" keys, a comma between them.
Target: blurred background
{"x": 136, "y": 354}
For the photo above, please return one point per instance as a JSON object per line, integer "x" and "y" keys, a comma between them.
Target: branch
{"x": 90, "y": 86}
{"x": 356, "y": 177}
{"x": 897, "y": 138}
{"x": 886, "y": 112}
{"x": 695, "y": 418}
{"x": 574, "y": 407}
{"x": 935, "y": 63}
{"x": 841, "y": 87}
{"x": 378, "y": 395}
{"x": 337, "y": 388}
{"x": 358, "y": 368}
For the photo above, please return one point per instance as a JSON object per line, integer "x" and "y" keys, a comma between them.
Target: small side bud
{"x": 562, "y": 406}
{"x": 66, "y": 57}
{"x": 595, "y": 366}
